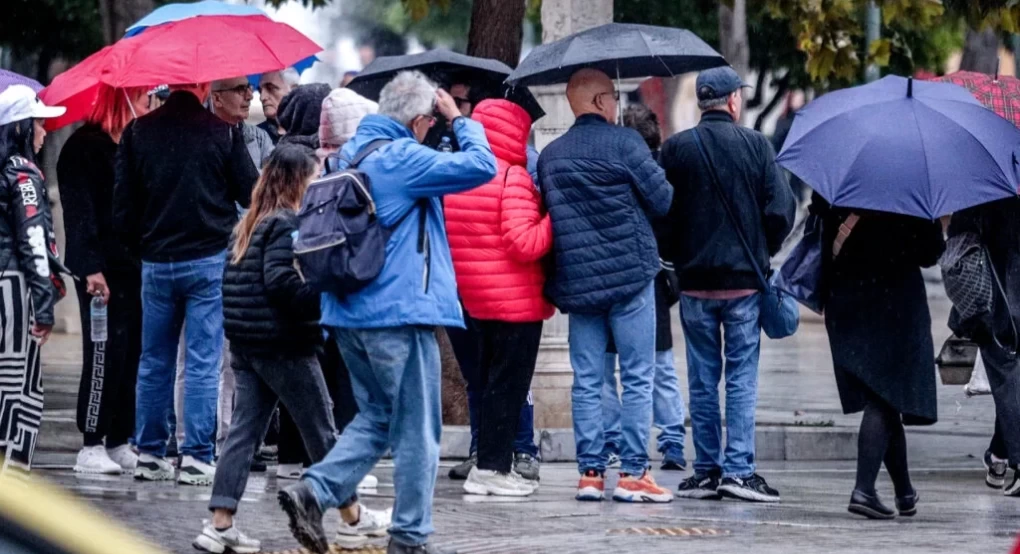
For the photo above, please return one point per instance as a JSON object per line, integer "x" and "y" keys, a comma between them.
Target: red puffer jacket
{"x": 499, "y": 231}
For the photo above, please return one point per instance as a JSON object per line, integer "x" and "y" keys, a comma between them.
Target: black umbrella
{"x": 436, "y": 64}
{"x": 620, "y": 50}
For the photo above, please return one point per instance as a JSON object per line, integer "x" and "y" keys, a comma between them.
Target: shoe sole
{"x": 1013, "y": 491}
{"x": 739, "y": 493}
{"x": 289, "y": 477}
{"x": 642, "y": 497}
{"x": 698, "y": 495}
{"x": 993, "y": 482}
{"x": 589, "y": 494}
{"x": 673, "y": 467}
{"x": 479, "y": 489}
{"x": 205, "y": 543}
{"x": 298, "y": 527}
{"x": 357, "y": 541}
{"x": 868, "y": 512}
{"x": 146, "y": 475}
{"x": 195, "y": 480}
{"x": 909, "y": 513}
{"x": 94, "y": 471}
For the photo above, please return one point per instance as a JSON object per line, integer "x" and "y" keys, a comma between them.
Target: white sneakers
{"x": 151, "y": 468}
{"x": 369, "y": 482}
{"x": 371, "y": 524}
{"x": 289, "y": 471}
{"x": 485, "y": 482}
{"x": 194, "y": 472}
{"x": 231, "y": 540}
{"x": 95, "y": 459}
{"x": 124, "y": 456}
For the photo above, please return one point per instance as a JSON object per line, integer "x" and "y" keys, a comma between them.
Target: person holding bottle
{"x": 110, "y": 280}
{"x": 27, "y": 245}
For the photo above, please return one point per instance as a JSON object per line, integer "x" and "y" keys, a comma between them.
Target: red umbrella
{"x": 999, "y": 94}
{"x": 197, "y": 50}
{"x": 204, "y": 49}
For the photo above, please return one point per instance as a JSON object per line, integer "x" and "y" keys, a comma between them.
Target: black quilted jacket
{"x": 267, "y": 307}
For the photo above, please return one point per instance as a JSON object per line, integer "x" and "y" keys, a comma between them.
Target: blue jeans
{"x": 632, "y": 323}
{"x": 395, "y": 374}
{"x": 715, "y": 329}
{"x": 173, "y": 294}
{"x": 667, "y": 407}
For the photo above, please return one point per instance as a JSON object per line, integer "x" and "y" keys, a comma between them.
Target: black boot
{"x": 305, "y": 516}
{"x": 869, "y": 506}
{"x": 907, "y": 505}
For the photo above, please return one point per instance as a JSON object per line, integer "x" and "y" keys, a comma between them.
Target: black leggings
{"x": 882, "y": 439}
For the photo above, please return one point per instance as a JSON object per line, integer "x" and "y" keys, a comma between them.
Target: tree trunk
{"x": 733, "y": 36}
{"x": 455, "y": 405}
{"x": 497, "y": 28}
{"x": 981, "y": 52}
{"x": 117, "y": 15}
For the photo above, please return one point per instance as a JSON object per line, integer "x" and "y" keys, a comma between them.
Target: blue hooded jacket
{"x": 413, "y": 288}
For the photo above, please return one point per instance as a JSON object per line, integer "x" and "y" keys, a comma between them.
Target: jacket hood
{"x": 301, "y": 109}
{"x": 342, "y": 111}
{"x": 507, "y": 126}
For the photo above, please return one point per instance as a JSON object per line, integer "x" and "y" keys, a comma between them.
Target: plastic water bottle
{"x": 445, "y": 145}
{"x": 98, "y": 312}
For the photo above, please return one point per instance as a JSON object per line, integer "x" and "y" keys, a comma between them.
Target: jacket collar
{"x": 183, "y": 98}
{"x": 591, "y": 119}
{"x": 716, "y": 115}
{"x": 373, "y": 127}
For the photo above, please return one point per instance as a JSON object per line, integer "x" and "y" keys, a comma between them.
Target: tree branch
{"x": 781, "y": 87}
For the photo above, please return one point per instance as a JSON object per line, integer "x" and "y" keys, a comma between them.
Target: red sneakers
{"x": 632, "y": 489}
{"x": 591, "y": 487}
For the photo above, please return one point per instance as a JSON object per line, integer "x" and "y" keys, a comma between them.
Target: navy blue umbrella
{"x": 922, "y": 148}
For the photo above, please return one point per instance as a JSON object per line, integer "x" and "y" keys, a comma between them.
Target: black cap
{"x": 718, "y": 82}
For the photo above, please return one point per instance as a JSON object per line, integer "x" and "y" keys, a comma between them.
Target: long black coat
{"x": 267, "y": 307}
{"x": 877, "y": 312}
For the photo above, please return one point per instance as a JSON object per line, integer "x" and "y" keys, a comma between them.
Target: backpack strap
{"x": 844, "y": 233}
{"x": 368, "y": 149}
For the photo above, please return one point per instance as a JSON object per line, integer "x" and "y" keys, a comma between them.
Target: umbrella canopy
{"x": 999, "y": 94}
{"x": 467, "y": 69}
{"x": 915, "y": 148}
{"x": 620, "y": 50}
{"x": 177, "y": 12}
{"x": 203, "y": 49}
{"x": 76, "y": 89}
{"x": 8, "y": 78}
{"x": 206, "y": 8}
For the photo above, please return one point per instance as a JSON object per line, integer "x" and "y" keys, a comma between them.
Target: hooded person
{"x": 342, "y": 111}
{"x": 299, "y": 113}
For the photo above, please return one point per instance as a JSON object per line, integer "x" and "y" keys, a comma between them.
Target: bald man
{"x": 601, "y": 186}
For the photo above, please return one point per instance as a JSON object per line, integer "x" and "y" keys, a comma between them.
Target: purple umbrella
{"x": 8, "y": 78}
{"x": 915, "y": 148}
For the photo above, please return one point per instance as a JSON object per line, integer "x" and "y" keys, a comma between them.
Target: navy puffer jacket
{"x": 601, "y": 186}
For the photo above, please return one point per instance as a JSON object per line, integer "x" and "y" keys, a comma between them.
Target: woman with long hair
{"x": 106, "y": 392}
{"x": 27, "y": 245}
{"x": 271, "y": 318}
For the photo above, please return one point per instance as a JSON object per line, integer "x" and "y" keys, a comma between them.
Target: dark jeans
{"x": 1004, "y": 378}
{"x": 505, "y": 358}
{"x": 338, "y": 383}
{"x": 466, "y": 347}
{"x": 262, "y": 382}
{"x": 106, "y": 392}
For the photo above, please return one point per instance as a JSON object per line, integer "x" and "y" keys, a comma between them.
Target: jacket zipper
{"x": 427, "y": 271}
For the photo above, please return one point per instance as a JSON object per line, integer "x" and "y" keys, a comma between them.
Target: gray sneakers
{"x": 371, "y": 524}
{"x": 484, "y": 482}
{"x": 151, "y": 468}
{"x": 461, "y": 471}
{"x": 231, "y": 540}
{"x": 398, "y": 548}
{"x": 527, "y": 466}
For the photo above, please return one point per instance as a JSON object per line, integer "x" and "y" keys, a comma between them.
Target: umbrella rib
{"x": 924, "y": 154}
{"x": 658, "y": 58}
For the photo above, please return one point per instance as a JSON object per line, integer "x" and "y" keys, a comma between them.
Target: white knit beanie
{"x": 342, "y": 110}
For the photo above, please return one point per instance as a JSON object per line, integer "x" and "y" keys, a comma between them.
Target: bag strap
{"x": 845, "y": 229}
{"x": 368, "y": 149}
{"x": 729, "y": 209}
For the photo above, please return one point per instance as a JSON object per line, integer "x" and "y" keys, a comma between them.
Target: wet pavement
{"x": 957, "y": 514}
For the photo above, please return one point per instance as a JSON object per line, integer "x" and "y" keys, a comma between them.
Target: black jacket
{"x": 267, "y": 307}
{"x": 704, "y": 246}
{"x": 26, "y": 233}
{"x": 85, "y": 173}
{"x": 180, "y": 170}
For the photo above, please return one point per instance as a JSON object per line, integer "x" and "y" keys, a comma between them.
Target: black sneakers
{"x": 1013, "y": 488}
{"x": 703, "y": 486}
{"x": 996, "y": 475}
{"x": 752, "y": 489}
{"x": 305, "y": 516}
{"x": 869, "y": 506}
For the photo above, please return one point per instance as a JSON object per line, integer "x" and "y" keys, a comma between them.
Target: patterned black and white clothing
{"x": 21, "y": 390}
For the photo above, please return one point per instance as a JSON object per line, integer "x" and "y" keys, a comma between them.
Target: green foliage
{"x": 51, "y": 28}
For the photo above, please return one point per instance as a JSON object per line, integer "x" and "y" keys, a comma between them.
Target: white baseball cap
{"x": 18, "y": 102}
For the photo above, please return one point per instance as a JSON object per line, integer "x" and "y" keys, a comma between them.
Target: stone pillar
{"x": 553, "y": 375}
